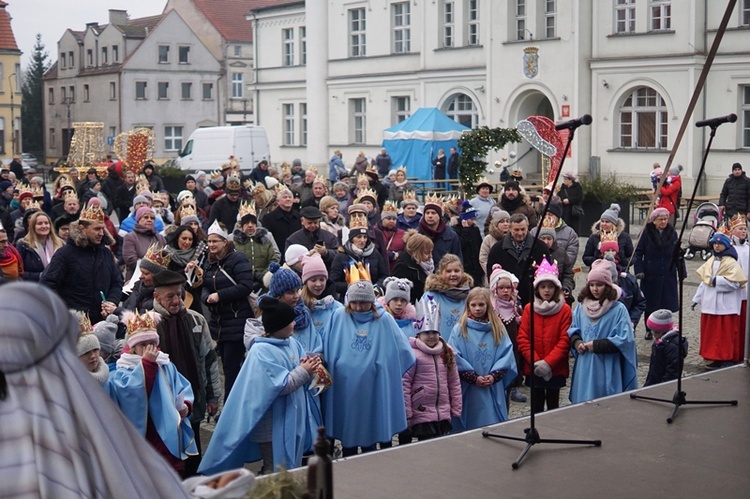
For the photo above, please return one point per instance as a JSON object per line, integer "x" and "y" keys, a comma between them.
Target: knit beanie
{"x": 609, "y": 245}
{"x": 276, "y": 315}
{"x": 86, "y": 343}
{"x": 612, "y": 267}
{"x": 556, "y": 209}
{"x": 600, "y": 272}
{"x": 658, "y": 212}
{"x": 361, "y": 291}
{"x": 340, "y": 184}
{"x": 105, "y": 332}
{"x": 434, "y": 206}
{"x": 548, "y": 231}
{"x": 675, "y": 170}
{"x": 142, "y": 211}
{"x": 736, "y": 166}
{"x": 5, "y": 184}
{"x": 499, "y": 215}
{"x": 511, "y": 184}
{"x": 218, "y": 180}
{"x": 282, "y": 280}
{"x": 140, "y": 198}
{"x": 313, "y": 266}
{"x": 397, "y": 288}
{"x": 612, "y": 214}
{"x": 468, "y": 211}
{"x": 294, "y": 253}
{"x": 184, "y": 195}
{"x": 498, "y": 273}
{"x": 661, "y": 320}
{"x": 721, "y": 238}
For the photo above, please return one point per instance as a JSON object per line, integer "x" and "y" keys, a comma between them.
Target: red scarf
{"x": 431, "y": 233}
{"x": 11, "y": 264}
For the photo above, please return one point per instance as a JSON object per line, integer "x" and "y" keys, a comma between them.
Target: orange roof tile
{"x": 230, "y": 20}
{"x": 7, "y": 40}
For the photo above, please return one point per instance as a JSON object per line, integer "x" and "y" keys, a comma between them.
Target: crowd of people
{"x": 348, "y": 303}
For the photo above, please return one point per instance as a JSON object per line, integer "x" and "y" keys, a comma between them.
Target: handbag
{"x": 252, "y": 298}
{"x": 577, "y": 210}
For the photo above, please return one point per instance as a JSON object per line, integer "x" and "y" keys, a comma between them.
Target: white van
{"x": 209, "y": 148}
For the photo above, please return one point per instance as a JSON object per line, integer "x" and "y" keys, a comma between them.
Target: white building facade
{"x": 334, "y": 75}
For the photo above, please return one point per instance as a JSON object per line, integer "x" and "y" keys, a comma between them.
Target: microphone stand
{"x": 532, "y": 434}
{"x": 678, "y": 258}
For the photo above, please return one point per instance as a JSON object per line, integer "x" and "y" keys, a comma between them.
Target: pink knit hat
{"x": 609, "y": 245}
{"x": 600, "y": 272}
{"x": 313, "y": 266}
{"x": 658, "y": 212}
{"x": 499, "y": 273}
{"x": 141, "y": 211}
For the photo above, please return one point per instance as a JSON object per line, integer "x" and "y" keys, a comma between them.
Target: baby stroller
{"x": 707, "y": 219}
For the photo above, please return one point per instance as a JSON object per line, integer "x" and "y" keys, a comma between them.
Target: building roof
{"x": 7, "y": 40}
{"x": 269, "y": 5}
{"x": 229, "y": 20}
{"x": 139, "y": 28}
{"x": 51, "y": 73}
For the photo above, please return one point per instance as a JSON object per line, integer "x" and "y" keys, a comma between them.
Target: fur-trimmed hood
{"x": 410, "y": 312}
{"x": 436, "y": 283}
{"x": 620, "y": 227}
{"x": 78, "y": 238}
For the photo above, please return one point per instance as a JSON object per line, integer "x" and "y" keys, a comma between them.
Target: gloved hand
{"x": 692, "y": 307}
{"x": 640, "y": 276}
{"x": 543, "y": 370}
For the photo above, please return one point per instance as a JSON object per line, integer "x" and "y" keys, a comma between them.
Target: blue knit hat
{"x": 282, "y": 280}
{"x": 721, "y": 238}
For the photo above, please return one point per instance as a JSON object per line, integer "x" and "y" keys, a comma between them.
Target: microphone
{"x": 714, "y": 122}
{"x": 573, "y": 124}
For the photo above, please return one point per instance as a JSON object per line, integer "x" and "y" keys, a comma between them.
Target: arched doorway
{"x": 530, "y": 103}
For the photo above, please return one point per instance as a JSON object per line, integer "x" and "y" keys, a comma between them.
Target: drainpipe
{"x": 702, "y": 189}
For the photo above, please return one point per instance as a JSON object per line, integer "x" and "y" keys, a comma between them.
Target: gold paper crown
{"x": 723, "y": 229}
{"x": 159, "y": 196}
{"x": 313, "y": 170}
{"x": 371, "y": 169}
{"x": 483, "y": 180}
{"x": 216, "y": 174}
{"x": 320, "y": 179}
{"x": 22, "y": 188}
{"x": 233, "y": 184}
{"x": 65, "y": 180}
{"x": 401, "y": 168}
{"x": 37, "y": 192}
{"x": 363, "y": 176}
{"x": 357, "y": 272}
{"x": 608, "y": 237}
{"x": 233, "y": 164}
{"x": 358, "y": 221}
{"x": 433, "y": 198}
{"x": 187, "y": 210}
{"x": 410, "y": 196}
{"x": 390, "y": 207}
{"x": 452, "y": 203}
{"x": 137, "y": 323}
{"x": 549, "y": 222}
{"x": 142, "y": 185}
{"x": 281, "y": 187}
{"x": 70, "y": 194}
{"x": 258, "y": 189}
{"x": 246, "y": 209}
{"x": 367, "y": 193}
{"x": 247, "y": 183}
{"x": 737, "y": 220}
{"x": 34, "y": 206}
{"x": 286, "y": 170}
{"x": 92, "y": 213}
{"x": 85, "y": 324}
{"x": 158, "y": 256}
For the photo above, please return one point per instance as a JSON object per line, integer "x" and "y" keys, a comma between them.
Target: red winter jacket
{"x": 551, "y": 341}
{"x": 669, "y": 194}
{"x": 432, "y": 391}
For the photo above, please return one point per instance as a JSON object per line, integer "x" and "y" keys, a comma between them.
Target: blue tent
{"x": 415, "y": 141}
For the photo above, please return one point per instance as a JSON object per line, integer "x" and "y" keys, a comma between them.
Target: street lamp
{"x": 67, "y": 101}
{"x": 12, "y": 115}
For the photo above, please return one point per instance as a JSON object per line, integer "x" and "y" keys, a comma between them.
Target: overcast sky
{"x": 52, "y": 17}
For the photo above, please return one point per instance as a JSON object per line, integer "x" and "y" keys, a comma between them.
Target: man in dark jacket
{"x": 201, "y": 200}
{"x": 443, "y": 237}
{"x": 124, "y": 195}
{"x": 453, "y": 162}
{"x": 84, "y": 272}
{"x": 383, "y": 162}
{"x": 111, "y": 184}
{"x": 471, "y": 240}
{"x": 514, "y": 251}
{"x": 260, "y": 172}
{"x": 311, "y": 236}
{"x": 226, "y": 209}
{"x": 735, "y": 195}
{"x": 284, "y": 220}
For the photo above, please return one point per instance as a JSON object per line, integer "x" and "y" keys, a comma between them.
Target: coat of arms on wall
{"x": 530, "y": 62}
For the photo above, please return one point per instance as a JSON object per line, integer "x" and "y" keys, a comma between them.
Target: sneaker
{"x": 517, "y": 396}
{"x": 649, "y": 335}
{"x": 717, "y": 364}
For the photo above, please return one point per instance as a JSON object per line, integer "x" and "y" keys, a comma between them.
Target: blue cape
{"x": 450, "y": 311}
{"x": 127, "y": 387}
{"x": 599, "y": 375}
{"x": 367, "y": 358}
{"x": 309, "y": 337}
{"x": 256, "y": 390}
{"x": 406, "y": 326}
{"x": 322, "y": 316}
{"x": 128, "y": 224}
{"x": 478, "y": 352}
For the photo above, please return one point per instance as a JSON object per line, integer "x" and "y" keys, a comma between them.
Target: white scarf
{"x": 428, "y": 266}
{"x": 547, "y": 308}
{"x": 594, "y": 310}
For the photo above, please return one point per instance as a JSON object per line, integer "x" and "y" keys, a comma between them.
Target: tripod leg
{"x": 525, "y": 451}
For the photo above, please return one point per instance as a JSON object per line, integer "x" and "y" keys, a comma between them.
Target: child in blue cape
{"x": 602, "y": 339}
{"x": 152, "y": 394}
{"x": 396, "y": 303}
{"x": 267, "y": 416}
{"x": 486, "y": 364}
{"x": 448, "y": 286}
{"x": 367, "y": 355}
{"x": 317, "y": 292}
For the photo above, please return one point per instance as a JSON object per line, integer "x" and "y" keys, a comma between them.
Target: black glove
{"x": 692, "y": 307}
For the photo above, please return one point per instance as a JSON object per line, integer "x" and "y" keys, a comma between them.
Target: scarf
{"x": 730, "y": 251}
{"x": 131, "y": 360}
{"x": 102, "y": 372}
{"x": 359, "y": 253}
{"x": 148, "y": 231}
{"x": 506, "y": 310}
{"x": 510, "y": 205}
{"x": 429, "y": 232}
{"x": 457, "y": 294}
{"x": 15, "y": 204}
{"x": 548, "y": 308}
{"x": 323, "y": 303}
{"x": 301, "y": 316}
{"x": 11, "y": 265}
{"x": 181, "y": 257}
{"x": 594, "y": 310}
{"x": 176, "y": 339}
{"x": 428, "y": 266}
{"x": 45, "y": 251}
{"x": 400, "y": 184}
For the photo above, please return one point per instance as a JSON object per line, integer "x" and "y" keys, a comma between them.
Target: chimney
{"x": 117, "y": 16}
{"x": 92, "y": 25}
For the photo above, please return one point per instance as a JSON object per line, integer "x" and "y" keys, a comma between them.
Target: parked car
{"x": 29, "y": 159}
{"x": 209, "y": 147}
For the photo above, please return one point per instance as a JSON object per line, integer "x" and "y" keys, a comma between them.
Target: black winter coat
{"x": 225, "y": 211}
{"x": 310, "y": 239}
{"x": 471, "y": 241}
{"x": 379, "y": 270}
{"x": 735, "y": 195}
{"x": 282, "y": 224}
{"x": 78, "y": 272}
{"x": 632, "y": 297}
{"x": 653, "y": 259}
{"x": 408, "y": 268}
{"x": 228, "y": 316}
{"x": 32, "y": 262}
{"x": 504, "y": 253}
{"x": 665, "y": 358}
{"x": 574, "y": 195}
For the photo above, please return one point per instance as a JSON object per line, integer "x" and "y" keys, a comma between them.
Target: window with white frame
{"x": 357, "y": 40}
{"x": 448, "y": 19}
{"x": 89, "y": 57}
{"x": 287, "y": 38}
{"x": 238, "y": 50}
{"x": 472, "y": 22}
{"x": 162, "y": 90}
{"x": 183, "y": 54}
{"x": 140, "y": 90}
{"x": 303, "y": 45}
{"x": 163, "y": 54}
{"x": 85, "y": 93}
{"x": 358, "y": 128}
{"x": 661, "y": 15}
{"x": 17, "y": 88}
{"x": 64, "y": 95}
{"x": 237, "y": 85}
{"x": 72, "y": 93}
{"x": 63, "y": 60}
{"x": 745, "y": 13}
{"x": 303, "y": 123}
{"x": 550, "y": 18}
{"x": 625, "y": 16}
{"x": 401, "y": 22}
{"x": 172, "y": 138}
{"x": 52, "y": 138}
{"x": 105, "y": 55}
{"x": 112, "y": 90}
{"x": 520, "y": 19}
{"x": 186, "y": 90}
{"x": 71, "y": 59}
{"x": 50, "y": 95}
{"x": 115, "y": 53}
{"x": 401, "y": 107}
{"x": 460, "y": 108}
{"x": 112, "y": 131}
{"x": 288, "y": 114}
{"x": 643, "y": 120}
{"x": 208, "y": 91}
{"x": 746, "y": 116}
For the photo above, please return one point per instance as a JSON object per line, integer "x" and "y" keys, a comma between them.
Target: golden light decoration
{"x": 134, "y": 148}
{"x": 87, "y": 146}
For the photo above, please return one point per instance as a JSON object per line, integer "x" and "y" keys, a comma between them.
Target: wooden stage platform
{"x": 704, "y": 453}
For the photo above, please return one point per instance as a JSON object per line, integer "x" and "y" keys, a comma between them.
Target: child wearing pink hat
{"x": 317, "y": 292}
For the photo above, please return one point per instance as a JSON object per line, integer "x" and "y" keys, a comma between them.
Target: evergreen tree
{"x": 32, "y": 118}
